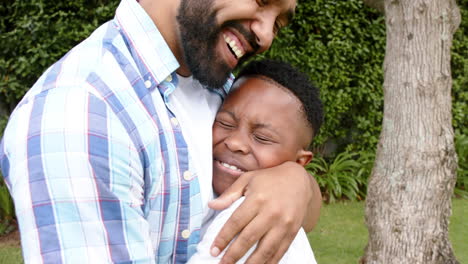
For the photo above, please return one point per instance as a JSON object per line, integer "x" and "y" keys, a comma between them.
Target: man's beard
{"x": 199, "y": 33}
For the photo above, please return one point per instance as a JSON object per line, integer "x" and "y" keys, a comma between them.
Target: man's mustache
{"x": 247, "y": 34}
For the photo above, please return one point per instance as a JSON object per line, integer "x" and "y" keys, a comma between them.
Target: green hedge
{"x": 460, "y": 73}
{"x": 36, "y": 33}
{"x": 341, "y": 45}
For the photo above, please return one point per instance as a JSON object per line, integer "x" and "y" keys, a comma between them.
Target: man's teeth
{"x": 232, "y": 167}
{"x": 233, "y": 46}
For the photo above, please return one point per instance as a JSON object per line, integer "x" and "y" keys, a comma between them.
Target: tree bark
{"x": 408, "y": 203}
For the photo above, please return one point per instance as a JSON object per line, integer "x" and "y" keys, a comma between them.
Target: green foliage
{"x": 34, "y": 34}
{"x": 460, "y": 73}
{"x": 344, "y": 176}
{"x": 461, "y": 145}
{"x": 341, "y": 45}
{"x": 7, "y": 210}
{"x": 3, "y": 123}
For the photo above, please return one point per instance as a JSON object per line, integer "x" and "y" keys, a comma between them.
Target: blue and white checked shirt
{"x": 95, "y": 158}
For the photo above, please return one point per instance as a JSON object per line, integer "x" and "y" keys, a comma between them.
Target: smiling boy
{"x": 270, "y": 117}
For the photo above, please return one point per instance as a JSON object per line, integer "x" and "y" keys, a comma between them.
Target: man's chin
{"x": 213, "y": 78}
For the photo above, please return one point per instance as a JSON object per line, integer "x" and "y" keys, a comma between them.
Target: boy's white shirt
{"x": 299, "y": 251}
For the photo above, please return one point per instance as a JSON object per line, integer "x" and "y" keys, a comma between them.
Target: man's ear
{"x": 304, "y": 157}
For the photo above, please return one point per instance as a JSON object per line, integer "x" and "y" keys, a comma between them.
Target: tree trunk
{"x": 409, "y": 195}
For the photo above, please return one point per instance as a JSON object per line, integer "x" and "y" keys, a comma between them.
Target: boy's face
{"x": 260, "y": 125}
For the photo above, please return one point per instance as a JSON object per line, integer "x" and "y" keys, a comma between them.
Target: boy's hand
{"x": 276, "y": 203}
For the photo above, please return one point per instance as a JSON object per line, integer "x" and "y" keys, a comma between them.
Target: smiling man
{"x": 108, "y": 156}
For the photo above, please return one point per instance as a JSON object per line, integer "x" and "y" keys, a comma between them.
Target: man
{"x": 270, "y": 116}
{"x": 108, "y": 156}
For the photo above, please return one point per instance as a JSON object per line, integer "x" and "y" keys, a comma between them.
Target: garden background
{"x": 339, "y": 44}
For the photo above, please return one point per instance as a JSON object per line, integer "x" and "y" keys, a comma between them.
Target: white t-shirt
{"x": 195, "y": 108}
{"x": 299, "y": 251}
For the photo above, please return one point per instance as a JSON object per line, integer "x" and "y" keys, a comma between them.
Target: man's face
{"x": 260, "y": 125}
{"x": 216, "y": 35}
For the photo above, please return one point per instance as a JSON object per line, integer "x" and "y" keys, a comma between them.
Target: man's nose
{"x": 264, "y": 29}
{"x": 237, "y": 142}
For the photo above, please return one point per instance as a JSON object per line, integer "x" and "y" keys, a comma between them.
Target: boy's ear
{"x": 304, "y": 157}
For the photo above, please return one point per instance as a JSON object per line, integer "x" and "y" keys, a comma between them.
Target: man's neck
{"x": 163, "y": 13}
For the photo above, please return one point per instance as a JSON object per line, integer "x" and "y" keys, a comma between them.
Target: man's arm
{"x": 278, "y": 201}
{"x": 75, "y": 190}
{"x": 298, "y": 252}
{"x": 315, "y": 204}
{"x": 202, "y": 255}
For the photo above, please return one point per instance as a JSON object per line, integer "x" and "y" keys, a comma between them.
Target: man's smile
{"x": 236, "y": 48}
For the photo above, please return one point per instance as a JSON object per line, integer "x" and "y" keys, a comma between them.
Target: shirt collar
{"x": 146, "y": 43}
{"x": 153, "y": 56}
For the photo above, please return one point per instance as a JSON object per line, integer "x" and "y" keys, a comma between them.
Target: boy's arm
{"x": 278, "y": 201}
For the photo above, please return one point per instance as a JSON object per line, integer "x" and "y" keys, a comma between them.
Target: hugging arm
{"x": 278, "y": 202}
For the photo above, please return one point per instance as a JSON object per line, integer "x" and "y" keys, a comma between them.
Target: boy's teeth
{"x": 233, "y": 46}
{"x": 232, "y": 167}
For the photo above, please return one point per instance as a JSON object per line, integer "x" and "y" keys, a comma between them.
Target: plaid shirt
{"x": 96, "y": 162}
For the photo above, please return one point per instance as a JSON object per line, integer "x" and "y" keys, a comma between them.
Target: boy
{"x": 270, "y": 117}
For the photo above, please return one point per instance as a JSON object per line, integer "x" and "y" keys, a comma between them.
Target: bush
{"x": 344, "y": 177}
{"x": 341, "y": 45}
{"x": 36, "y": 33}
{"x": 461, "y": 145}
{"x": 7, "y": 210}
{"x": 460, "y": 73}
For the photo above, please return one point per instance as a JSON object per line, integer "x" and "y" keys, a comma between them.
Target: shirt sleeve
{"x": 298, "y": 252}
{"x": 77, "y": 181}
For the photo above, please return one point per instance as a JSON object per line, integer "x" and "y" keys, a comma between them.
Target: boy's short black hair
{"x": 293, "y": 80}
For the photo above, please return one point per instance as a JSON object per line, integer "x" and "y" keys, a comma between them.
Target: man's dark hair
{"x": 293, "y": 80}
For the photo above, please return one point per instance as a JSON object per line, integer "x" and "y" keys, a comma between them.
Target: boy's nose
{"x": 237, "y": 142}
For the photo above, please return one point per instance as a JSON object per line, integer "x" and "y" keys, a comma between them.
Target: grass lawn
{"x": 340, "y": 236}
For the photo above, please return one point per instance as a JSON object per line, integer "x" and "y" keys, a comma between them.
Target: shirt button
{"x": 187, "y": 175}
{"x": 174, "y": 121}
{"x": 169, "y": 78}
{"x": 148, "y": 84}
{"x": 186, "y": 233}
